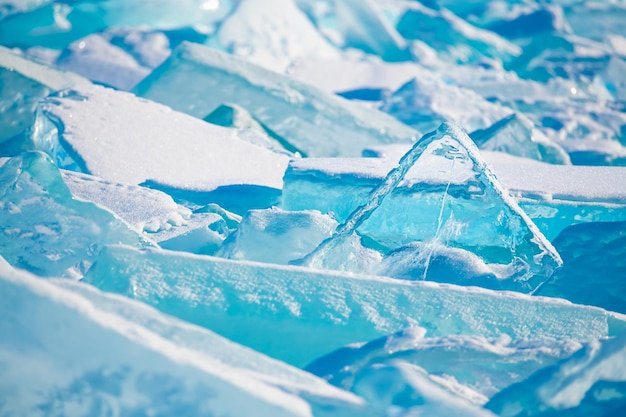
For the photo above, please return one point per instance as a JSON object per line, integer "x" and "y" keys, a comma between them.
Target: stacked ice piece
{"x": 312, "y": 208}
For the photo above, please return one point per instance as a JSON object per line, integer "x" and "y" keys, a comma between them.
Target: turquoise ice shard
{"x": 452, "y": 36}
{"x": 232, "y": 115}
{"x": 592, "y": 382}
{"x": 364, "y": 27}
{"x": 22, "y": 84}
{"x": 44, "y": 229}
{"x": 398, "y": 385}
{"x": 425, "y": 102}
{"x": 315, "y": 122}
{"x": 165, "y": 148}
{"x": 152, "y": 213}
{"x": 66, "y": 346}
{"x": 480, "y": 366}
{"x": 594, "y": 265}
{"x": 517, "y": 135}
{"x": 452, "y": 189}
{"x": 277, "y": 236}
{"x": 319, "y": 311}
{"x": 274, "y": 34}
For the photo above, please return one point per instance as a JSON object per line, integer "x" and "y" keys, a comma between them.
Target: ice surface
{"x": 426, "y": 102}
{"x": 68, "y": 349}
{"x": 317, "y": 123}
{"x": 44, "y": 229}
{"x": 171, "y": 150}
{"x": 153, "y": 213}
{"x": 273, "y": 34}
{"x": 448, "y": 186}
{"x": 22, "y": 84}
{"x": 310, "y": 313}
{"x": 592, "y": 382}
{"x": 517, "y": 135}
{"x": 480, "y": 365}
{"x": 594, "y": 267}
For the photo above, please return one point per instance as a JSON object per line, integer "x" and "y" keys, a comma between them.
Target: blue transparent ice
{"x": 454, "y": 187}
{"x": 592, "y": 382}
{"x": 22, "y": 84}
{"x": 482, "y": 366}
{"x": 594, "y": 267}
{"x": 68, "y": 349}
{"x": 318, "y": 123}
{"x": 44, "y": 229}
{"x": 319, "y": 311}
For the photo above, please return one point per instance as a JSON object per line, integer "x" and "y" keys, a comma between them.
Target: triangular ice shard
{"x": 315, "y": 122}
{"x": 66, "y": 346}
{"x": 449, "y": 196}
{"x": 46, "y": 230}
{"x": 309, "y": 313}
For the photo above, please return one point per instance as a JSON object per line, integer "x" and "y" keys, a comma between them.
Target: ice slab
{"x": 517, "y": 135}
{"x": 97, "y": 59}
{"x": 362, "y": 26}
{"x": 315, "y": 122}
{"x": 310, "y": 312}
{"x": 22, "y": 84}
{"x": 442, "y": 192}
{"x": 482, "y": 366}
{"x": 594, "y": 265}
{"x": 426, "y": 102}
{"x": 277, "y": 236}
{"x": 554, "y": 196}
{"x": 592, "y": 382}
{"x": 398, "y": 385}
{"x": 87, "y": 130}
{"x": 231, "y": 115}
{"x": 69, "y": 349}
{"x": 44, "y": 229}
{"x": 273, "y": 34}
{"x": 452, "y": 36}
{"x": 152, "y": 213}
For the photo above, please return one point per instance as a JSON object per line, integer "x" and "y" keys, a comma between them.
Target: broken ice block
{"x": 424, "y": 103}
{"x": 363, "y": 26}
{"x": 88, "y": 130}
{"x": 22, "y": 84}
{"x": 309, "y": 313}
{"x": 452, "y": 36}
{"x": 517, "y": 135}
{"x": 43, "y": 228}
{"x": 231, "y": 115}
{"x": 592, "y": 382}
{"x": 483, "y": 366}
{"x": 66, "y": 346}
{"x": 273, "y": 34}
{"x": 315, "y": 122}
{"x": 277, "y": 236}
{"x": 153, "y": 213}
{"x": 449, "y": 196}
{"x": 594, "y": 266}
